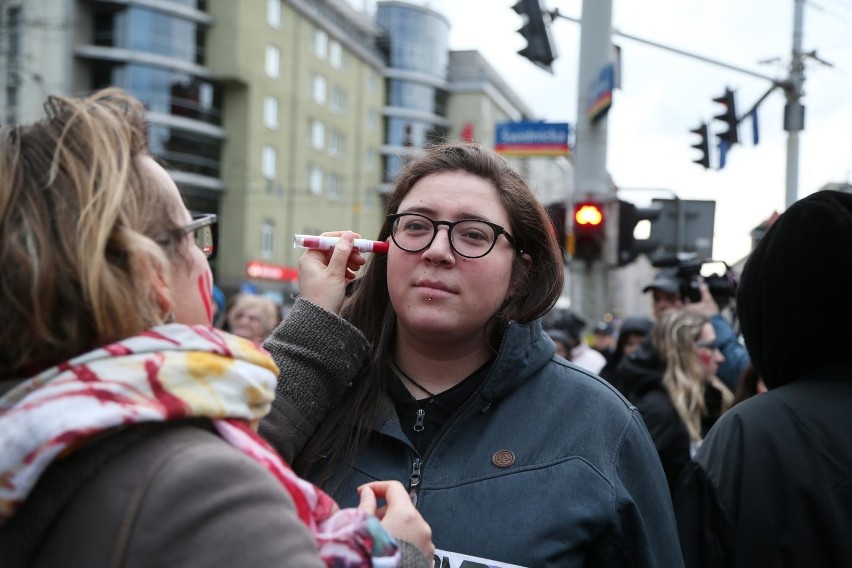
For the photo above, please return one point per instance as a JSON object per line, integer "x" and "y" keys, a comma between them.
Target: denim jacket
{"x": 546, "y": 465}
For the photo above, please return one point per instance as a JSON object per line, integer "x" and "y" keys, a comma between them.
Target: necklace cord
{"x": 410, "y": 380}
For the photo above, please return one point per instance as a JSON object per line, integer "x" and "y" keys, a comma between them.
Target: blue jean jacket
{"x": 546, "y": 465}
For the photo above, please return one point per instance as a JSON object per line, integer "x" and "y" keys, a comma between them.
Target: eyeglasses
{"x": 470, "y": 238}
{"x": 709, "y": 345}
{"x": 205, "y": 229}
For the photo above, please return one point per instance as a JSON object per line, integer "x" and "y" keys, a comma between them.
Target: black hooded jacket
{"x": 772, "y": 482}
{"x": 640, "y": 379}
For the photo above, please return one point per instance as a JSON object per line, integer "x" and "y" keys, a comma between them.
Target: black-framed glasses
{"x": 205, "y": 231}
{"x": 709, "y": 345}
{"x": 470, "y": 238}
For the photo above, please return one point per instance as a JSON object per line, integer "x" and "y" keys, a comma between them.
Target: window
{"x": 335, "y": 187}
{"x": 335, "y": 54}
{"x": 270, "y": 112}
{"x": 273, "y": 59}
{"x": 320, "y": 44}
{"x": 372, "y": 120}
{"x": 373, "y": 80}
{"x": 273, "y": 13}
{"x": 338, "y": 100}
{"x": 317, "y": 134}
{"x": 336, "y": 144}
{"x": 318, "y": 88}
{"x": 315, "y": 175}
{"x": 267, "y": 239}
{"x": 269, "y": 163}
{"x": 370, "y": 160}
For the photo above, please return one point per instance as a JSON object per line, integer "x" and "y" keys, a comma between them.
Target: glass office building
{"x": 156, "y": 51}
{"x": 417, "y": 50}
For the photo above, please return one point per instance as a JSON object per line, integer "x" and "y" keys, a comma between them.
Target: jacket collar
{"x": 524, "y": 350}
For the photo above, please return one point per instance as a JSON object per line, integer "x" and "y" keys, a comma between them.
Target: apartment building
{"x": 303, "y": 88}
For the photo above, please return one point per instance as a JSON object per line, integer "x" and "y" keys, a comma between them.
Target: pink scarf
{"x": 170, "y": 372}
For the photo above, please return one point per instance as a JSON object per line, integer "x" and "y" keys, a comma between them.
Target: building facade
{"x": 155, "y": 50}
{"x": 303, "y": 91}
{"x": 416, "y": 44}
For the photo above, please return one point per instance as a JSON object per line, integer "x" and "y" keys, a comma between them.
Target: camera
{"x": 687, "y": 268}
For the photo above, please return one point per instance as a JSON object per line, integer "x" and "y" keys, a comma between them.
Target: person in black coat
{"x": 640, "y": 377}
{"x": 632, "y": 332}
{"x": 770, "y": 485}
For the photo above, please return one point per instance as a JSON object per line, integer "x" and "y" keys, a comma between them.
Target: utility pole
{"x": 590, "y": 286}
{"x": 794, "y": 111}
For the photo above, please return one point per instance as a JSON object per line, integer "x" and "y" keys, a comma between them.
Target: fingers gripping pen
{"x": 328, "y": 243}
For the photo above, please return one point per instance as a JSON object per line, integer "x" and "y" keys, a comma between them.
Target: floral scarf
{"x": 170, "y": 372}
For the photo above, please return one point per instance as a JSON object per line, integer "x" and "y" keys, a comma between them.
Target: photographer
{"x": 669, "y": 289}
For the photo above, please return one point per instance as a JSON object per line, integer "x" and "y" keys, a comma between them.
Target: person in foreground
{"x": 513, "y": 455}
{"x": 126, "y": 420}
{"x": 770, "y": 485}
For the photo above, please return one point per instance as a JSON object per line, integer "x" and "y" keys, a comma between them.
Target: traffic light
{"x": 703, "y": 145}
{"x": 588, "y": 230}
{"x": 629, "y": 247}
{"x": 728, "y": 118}
{"x": 536, "y": 31}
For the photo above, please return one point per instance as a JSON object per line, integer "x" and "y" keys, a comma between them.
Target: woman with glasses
{"x": 127, "y": 422}
{"x": 691, "y": 395}
{"x": 513, "y": 455}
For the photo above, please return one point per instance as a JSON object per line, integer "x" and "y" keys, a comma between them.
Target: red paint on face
{"x": 706, "y": 356}
{"x": 205, "y": 288}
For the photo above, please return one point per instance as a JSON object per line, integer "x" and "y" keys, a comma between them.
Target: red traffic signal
{"x": 588, "y": 215}
{"x": 589, "y": 221}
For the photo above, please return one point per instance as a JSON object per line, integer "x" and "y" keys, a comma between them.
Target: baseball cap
{"x": 605, "y": 328}
{"x": 665, "y": 280}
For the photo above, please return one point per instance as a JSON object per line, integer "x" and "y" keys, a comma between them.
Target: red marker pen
{"x": 328, "y": 243}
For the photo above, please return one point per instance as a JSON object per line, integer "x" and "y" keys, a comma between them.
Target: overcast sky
{"x": 664, "y": 95}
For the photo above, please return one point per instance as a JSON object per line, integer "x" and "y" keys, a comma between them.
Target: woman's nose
{"x": 440, "y": 250}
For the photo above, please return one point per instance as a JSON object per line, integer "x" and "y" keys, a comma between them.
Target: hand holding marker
{"x": 328, "y": 243}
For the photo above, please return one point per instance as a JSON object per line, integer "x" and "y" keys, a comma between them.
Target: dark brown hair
{"x": 369, "y": 307}
{"x": 76, "y": 220}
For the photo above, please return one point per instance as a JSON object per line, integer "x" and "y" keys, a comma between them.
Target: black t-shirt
{"x": 422, "y": 420}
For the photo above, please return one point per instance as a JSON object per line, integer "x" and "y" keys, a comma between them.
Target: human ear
{"x": 160, "y": 290}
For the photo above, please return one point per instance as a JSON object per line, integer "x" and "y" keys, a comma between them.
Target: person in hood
{"x": 512, "y": 454}
{"x": 770, "y": 485}
{"x": 632, "y": 332}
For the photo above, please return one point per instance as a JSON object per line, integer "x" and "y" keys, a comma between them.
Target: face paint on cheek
{"x": 706, "y": 357}
{"x": 205, "y": 291}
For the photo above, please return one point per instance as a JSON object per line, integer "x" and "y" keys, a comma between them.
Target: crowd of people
{"x": 439, "y": 412}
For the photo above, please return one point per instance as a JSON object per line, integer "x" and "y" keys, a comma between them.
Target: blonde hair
{"x": 674, "y": 337}
{"x": 268, "y": 310}
{"x": 77, "y": 222}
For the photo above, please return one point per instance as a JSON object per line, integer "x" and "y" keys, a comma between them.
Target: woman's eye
{"x": 475, "y": 236}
